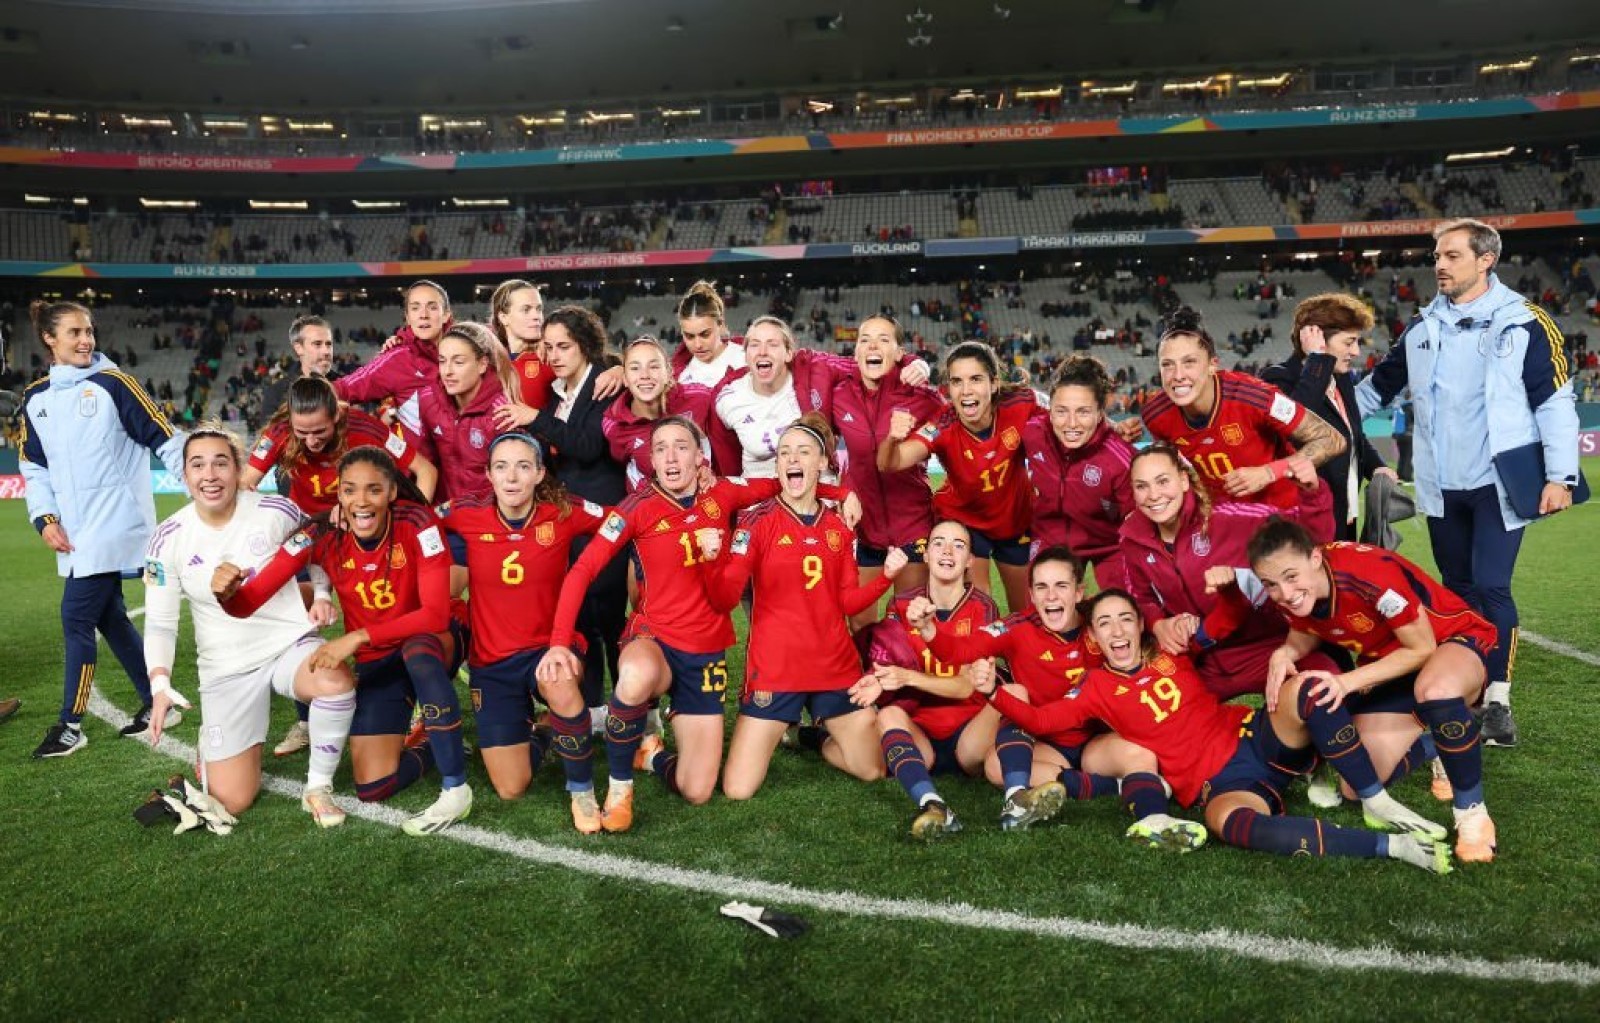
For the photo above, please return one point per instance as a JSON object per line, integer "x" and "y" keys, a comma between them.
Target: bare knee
{"x": 509, "y": 791}
{"x": 698, "y": 794}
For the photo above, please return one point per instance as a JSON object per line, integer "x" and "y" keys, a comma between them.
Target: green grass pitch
{"x": 103, "y": 919}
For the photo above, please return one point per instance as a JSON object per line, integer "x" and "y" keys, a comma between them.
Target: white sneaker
{"x": 1383, "y": 812}
{"x": 1421, "y": 851}
{"x": 1167, "y": 833}
{"x": 318, "y": 802}
{"x": 297, "y": 738}
{"x": 451, "y": 806}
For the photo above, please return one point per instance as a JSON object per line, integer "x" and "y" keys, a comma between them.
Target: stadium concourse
{"x": 608, "y": 693}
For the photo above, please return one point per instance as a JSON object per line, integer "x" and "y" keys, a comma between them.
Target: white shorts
{"x": 234, "y": 711}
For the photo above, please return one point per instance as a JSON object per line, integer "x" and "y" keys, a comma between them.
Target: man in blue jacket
{"x": 1492, "y": 395}
{"x": 88, "y": 430}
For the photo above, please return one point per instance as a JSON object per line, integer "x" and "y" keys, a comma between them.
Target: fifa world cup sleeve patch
{"x": 741, "y": 542}
{"x": 263, "y": 447}
{"x": 395, "y": 445}
{"x": 1391, "y": 604}
{"x": 593, "y": 509}
{"x": 1283, "y": 408}
{"x": 995, "y": 629}
{"x": 613, "y": 526}
{"x": 431, "y": 542}
{"x": 155, "y": 573}
{"x": 298, "y": 542}
{"x": 929, "y": 432}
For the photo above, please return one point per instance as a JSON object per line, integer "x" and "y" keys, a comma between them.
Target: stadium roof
{"x": 415, "y": 54}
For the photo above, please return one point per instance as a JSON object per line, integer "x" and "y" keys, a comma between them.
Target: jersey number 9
{"x": 811, "y": 565}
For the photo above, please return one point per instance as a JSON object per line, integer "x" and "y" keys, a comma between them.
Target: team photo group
{"x": 513, "y": 524}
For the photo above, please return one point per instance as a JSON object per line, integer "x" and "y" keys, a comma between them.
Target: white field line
{"x": 1261, "y": 947}
{"x": 1556, "y": 646}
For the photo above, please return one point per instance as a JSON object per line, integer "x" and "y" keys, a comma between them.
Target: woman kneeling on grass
{"x": 1234, "y": 761}
{"x": 929, "y": 719}
{"x": 241, "y": 663}
{"x": 801, "y": 556}
{"x": 391, "y": 569}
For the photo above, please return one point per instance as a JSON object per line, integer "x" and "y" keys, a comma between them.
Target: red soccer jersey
{"x": 1163, "y": 707}
{"x": 396, "y": 588}
{"x": 534, "y": 379}
{"x": 314, "y": 482}
{"x": 899, "y": 644}
{"x": 1376, "y": 591}
{"x": 515, "y": 572}
{"x": 1047, "y": 664}
{"x": 673, "y": 606}
{"x": 805, "y": 587}
{"x": 986, "y": 486}
{"x": 1249, "y": 426}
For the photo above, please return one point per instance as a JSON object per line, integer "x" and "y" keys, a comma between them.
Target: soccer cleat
{"x": 297, "y": 738}
{"x": 417, "y": 735}
{"x": 618, "y": 814}
{"x": 9, "y": 708}
{"x": 318, "y": 802}
{"x": 1499, "y": 728}
{"x": 585, "y": 812}
{"x": 60, "y": 741}
{"x": 1322, "y": 788}
{"x": 1441, "y": 788}
{"x": 139, "y": 727}
{"x": 1167, "y": 833}
{"x": 451, "y": 806}
{"x": 1030, "y": 806}
{"x": 935, "y": 820}
{"x": 1421, "y": 851}
{"x": 1475, "y": 838}
{"x": 645, "y": 756}
{"x": 1383, "y": 812}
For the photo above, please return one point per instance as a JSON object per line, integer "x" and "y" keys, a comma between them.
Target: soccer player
{"x": 1246, "y": 439}
{"x": 649, "y": 393}
{"x": 457, "y": 409}
{"x": 1048, "y": 651}
{"x": 517, "y": 319}
{"x": 929, "y": 719}
{"x": 979, "y": 442}
{"x": 518, "y": 542}
{"x": 707, "y": 355}
{"x": 1232, "y": 760}
{"x": 1079, "y": 467}
{"x": 241, "y": 663}
{"x": 87, "y": 433}
{"x": 896, "y": 507}
{"x": 1418, "y": 647}
{"x": 410, "y": 364}
{"x": 800, "y": 557}
{"x": 753, "y": 407}
{"x": 390, "y": 567}
{"x": 676, "y": 642}
{"x": 311, "y": 432}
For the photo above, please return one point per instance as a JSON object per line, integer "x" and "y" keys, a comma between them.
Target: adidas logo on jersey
{"x": 748, "y": 420}
{"x": 847, "y": 418}
{"x": 349, "y": 564}
{"x": 1121, "y": 690}
{"x": 786, "y": 541}
{"x": 1047, "y": 656}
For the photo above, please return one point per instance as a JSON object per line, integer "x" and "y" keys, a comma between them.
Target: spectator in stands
{"x": 1494, "y": 413}
{"x": 1327, "y": 337}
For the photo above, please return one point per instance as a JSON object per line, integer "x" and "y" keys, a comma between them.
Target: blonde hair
{"x": 702, "y": 300}
{"x": 483, "y": 341}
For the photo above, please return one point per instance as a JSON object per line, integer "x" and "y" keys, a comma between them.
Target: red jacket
{"x": 629, "y": 435}
{"x": 896, "y": 508}
{"x": 457, "y": 440}
{"x": 400, "y": 373}
{"x": 1166, "y": 583}
{"x": 1079, "y": 497}
{"x": 812, "y": 374}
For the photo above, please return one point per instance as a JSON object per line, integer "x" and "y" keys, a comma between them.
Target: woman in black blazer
{"x": 571, "y": 427}
{"x": 1327, "y": 340}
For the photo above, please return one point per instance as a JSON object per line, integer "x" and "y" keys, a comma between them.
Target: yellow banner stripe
{"x": 1558, "y": 344}
{"x": 144, "y": 399}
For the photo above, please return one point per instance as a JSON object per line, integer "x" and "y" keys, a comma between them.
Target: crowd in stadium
{"x": 553, "y": 503}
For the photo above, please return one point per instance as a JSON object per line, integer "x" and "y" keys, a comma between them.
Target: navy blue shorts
{"x": 945, "y": 760}
{"x": 1074, "y": 754}
{"x": 1013, "y": 551}
{"x": 502, "y": 699}
{"x": 1396, "y": 696}
{"x": 874, "y": 557}
{"x": 699, "y": 681}
{"x": 786, "y": 707}
{"x": 1261, "y": 765}
{"x": 384, "y": 697}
